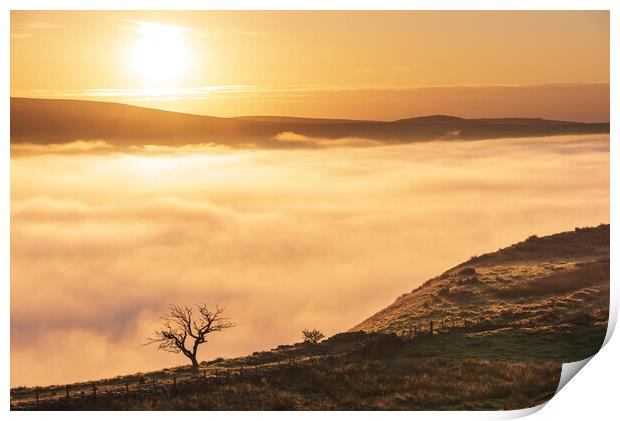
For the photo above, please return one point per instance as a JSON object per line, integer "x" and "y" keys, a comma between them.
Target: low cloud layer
{"x": 76, "y": 147}
{"x": 285, "y": 240}
{"x": 318, "y": 142}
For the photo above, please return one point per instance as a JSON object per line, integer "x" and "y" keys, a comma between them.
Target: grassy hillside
{"x": 502, "y": 325}
{"x": 551, "y": 285}
{"x": 347, "y": 372}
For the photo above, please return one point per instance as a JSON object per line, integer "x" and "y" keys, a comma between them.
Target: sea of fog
{"x": 102, "y": 241}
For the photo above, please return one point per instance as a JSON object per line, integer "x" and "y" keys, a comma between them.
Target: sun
{"x": 159, "y": 55}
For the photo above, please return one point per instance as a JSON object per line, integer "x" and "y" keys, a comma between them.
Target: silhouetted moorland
{"x": 49, "y": 121}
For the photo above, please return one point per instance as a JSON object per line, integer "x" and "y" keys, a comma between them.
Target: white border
{"x": 311, "y": 5}
{"x": 599, "y": 382}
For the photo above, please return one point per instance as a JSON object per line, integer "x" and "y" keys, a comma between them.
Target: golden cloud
{"x": 285, "y": 239}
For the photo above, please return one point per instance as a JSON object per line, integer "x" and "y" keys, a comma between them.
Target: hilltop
{"x": 502, "y": 325}
{"x": 538, "y": 285}
{"x": 53, "y": 121}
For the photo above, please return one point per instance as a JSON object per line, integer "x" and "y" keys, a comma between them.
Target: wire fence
{"x": 163, "y": 384}
{"x": 430, "y": 327}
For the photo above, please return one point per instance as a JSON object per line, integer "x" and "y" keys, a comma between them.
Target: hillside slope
{"x": 549, "y": 284}
{"x": 503, "y": 324}
{"x": 47, "y": 121}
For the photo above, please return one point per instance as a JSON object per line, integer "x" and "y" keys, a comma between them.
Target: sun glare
{"x": 160, "y": 54}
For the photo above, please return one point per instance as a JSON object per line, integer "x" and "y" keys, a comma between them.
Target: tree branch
{"x": 179, "y": 325}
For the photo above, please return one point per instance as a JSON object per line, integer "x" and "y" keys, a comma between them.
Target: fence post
{"x": 94, "y": 391}
{"x": 431, "y": 327}
{"x": 67, "y": 392}
{"x": 126, "y": 388}
{"x": 36, "y": 394}
{"x": 153, "y": 382}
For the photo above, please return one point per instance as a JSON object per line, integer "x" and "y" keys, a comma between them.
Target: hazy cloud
{"x": 20, "y": 35}
{"x": 27, "y": 30}
{"x": 43, "y": 25}
{"x": 185, "y": 149}
{"x": 295, "y": 138}
{"x": 203, "y": 32}
{"x": 78, "y": 146}
{"x": 100, "y": 244}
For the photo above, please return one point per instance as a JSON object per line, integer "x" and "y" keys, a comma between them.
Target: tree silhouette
{"x": 313, "y": 336}
{"x": 182, "y": 332}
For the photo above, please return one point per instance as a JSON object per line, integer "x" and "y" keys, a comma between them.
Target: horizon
{"x": 316, "y": 117}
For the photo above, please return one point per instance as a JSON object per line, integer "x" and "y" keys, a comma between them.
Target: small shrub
{"x": 313, "y": 336}
{"x": 215, "y": 361}
{"x": 583, "y": 318}
{"x": 467, "y": 271}
{"x": 472, "y": 280}
{"x": 444, "y": 290}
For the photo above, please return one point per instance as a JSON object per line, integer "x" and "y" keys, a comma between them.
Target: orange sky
{"x": 382, "y": 65}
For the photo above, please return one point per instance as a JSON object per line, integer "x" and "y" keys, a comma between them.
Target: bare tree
{"x": 313, "y": 336}
{"x": 182, "y": 332}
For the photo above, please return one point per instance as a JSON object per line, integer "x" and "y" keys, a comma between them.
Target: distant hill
{"x": 299, "y": 120}
{"x": 46, "y": 121}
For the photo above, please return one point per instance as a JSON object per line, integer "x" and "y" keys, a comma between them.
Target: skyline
{"x": 376, "y": 65}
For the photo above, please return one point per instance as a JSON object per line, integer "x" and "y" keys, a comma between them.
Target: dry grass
{"x": 583, "y": 276}
{"x": 358, "y": 384}
{"x": 542, "y": 284}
